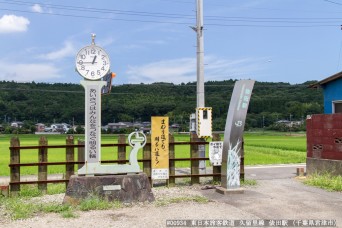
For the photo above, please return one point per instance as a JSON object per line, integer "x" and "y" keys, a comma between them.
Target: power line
{"x": 172, "y": 22}
{"x": 273, "y": 26}
{"x": 94, "y": 17}
{"x": 336, "y": 3}
{"x": 100, "y": 10}
{"x": 178, "y": 16}
{"x": 156, "y": 14}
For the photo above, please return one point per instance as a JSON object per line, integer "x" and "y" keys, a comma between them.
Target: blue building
{"x": 332, "y": 91}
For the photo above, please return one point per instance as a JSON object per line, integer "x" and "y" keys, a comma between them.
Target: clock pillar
{"x": 92, "y": 126}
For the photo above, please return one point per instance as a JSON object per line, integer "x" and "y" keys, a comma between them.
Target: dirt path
{"x": 270, "y": 199}
{"x": 277, "y": 195}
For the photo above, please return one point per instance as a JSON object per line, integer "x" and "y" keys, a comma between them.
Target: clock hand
{"x": 94, "y": 59}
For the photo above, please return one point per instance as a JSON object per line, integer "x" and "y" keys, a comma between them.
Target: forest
{"x": 60, "y": 102}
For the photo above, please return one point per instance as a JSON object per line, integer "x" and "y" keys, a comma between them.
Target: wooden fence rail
{"x": 70, "y": 146}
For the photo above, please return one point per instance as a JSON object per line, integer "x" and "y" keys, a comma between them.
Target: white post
{"x": 92, "y": 126}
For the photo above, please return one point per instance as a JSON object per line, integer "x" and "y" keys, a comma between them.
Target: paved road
{"x": 269, "y": 172}
{"x": 280, "y": 195}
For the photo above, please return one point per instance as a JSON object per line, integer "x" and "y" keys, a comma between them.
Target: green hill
{"x": 48, "y": 103}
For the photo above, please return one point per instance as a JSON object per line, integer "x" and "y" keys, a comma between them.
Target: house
{"x": 324, "y": 131}
{"x": 61, "y": 128}
{"x": 17, "y": 124}
{"x": 114, "y": 126}
{"x": 40, "y": 127}
{"x": 174, "y": 127}
{"x": 288, "y": 123}
{"x": 146, "y": 124}
{"x": 332, "y": 93}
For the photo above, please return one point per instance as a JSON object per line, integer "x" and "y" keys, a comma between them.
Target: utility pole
{"x": 290, "y": 123}
{"x": 200, "y": 75}
{"x": 200, "y": 55}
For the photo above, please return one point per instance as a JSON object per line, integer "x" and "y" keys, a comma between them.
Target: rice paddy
{"x": 267, "y": 148}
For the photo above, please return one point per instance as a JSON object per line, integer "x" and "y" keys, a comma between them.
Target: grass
{"x": 264, "y": 155}
{"x": 325, "y": 181}
{"x": 54, "y": 155}
{"x": 247, "y": 182}
{"x": 260, "y": 148}
{"x": 95, "y": 203}
{"x": 22, "y": 207}
{"x": 196, "y": 199}
{"x": 32, "y": 190}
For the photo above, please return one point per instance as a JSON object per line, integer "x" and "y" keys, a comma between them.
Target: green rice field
{"x": 260, "y": 148}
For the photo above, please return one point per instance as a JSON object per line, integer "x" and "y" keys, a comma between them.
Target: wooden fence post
{"x": 42, "y": 169}
{"x": 15, "y": 170}
{"x": 70, "y": 157}
{"x": 80, "y": 153}
{"x": 172, "y": 168}
{"x": 147, "y": 155}
{"x": 216, "y": 169}
{"x": 122, "y": 149}
{"x": 194, "y": 163}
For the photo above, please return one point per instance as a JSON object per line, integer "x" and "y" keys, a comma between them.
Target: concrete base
{"x": 225, "y": 191}
{"x": 125, "y": 188}
{"x": 318, "y": 165}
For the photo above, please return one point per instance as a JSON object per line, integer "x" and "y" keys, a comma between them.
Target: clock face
{"x": 92, "y": 62}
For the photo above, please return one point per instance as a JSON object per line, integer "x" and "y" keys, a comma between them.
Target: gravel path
{"x": 278, "y": 195}
{"x": 138, "y": 215}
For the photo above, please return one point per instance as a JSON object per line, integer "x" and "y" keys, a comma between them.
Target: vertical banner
{"x": 160, "y": 147}
{"x": 230, "y": 174}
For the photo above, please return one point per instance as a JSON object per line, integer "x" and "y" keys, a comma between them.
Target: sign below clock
{"x": 92, "y": 62}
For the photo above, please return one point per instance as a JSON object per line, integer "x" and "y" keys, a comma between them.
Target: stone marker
{"x": 125, "y": 188}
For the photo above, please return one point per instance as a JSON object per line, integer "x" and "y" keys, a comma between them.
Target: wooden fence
{"x": 69, "y": 163}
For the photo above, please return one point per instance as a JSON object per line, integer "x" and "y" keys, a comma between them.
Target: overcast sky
{"x": 151, "y": 40}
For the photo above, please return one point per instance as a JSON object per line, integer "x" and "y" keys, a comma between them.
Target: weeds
{"x": 18, "y": 209}
{"x": 326, "y": 181}
{"x": 95, "y": 203}
{"x": 248, "y": 182}
{"x": 28, "y": 191}
{"x": 197, "y": 199}
{"x": 22, "y": 208}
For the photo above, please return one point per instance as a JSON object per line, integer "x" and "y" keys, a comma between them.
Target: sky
{"x": 152, "y": 41}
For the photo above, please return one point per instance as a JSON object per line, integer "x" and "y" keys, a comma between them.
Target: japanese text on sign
{"x": 244, "y": 98}
{"x": 92, "y": 120}
{"x": 160, "y": 147}
{"x": 215, "y": 153}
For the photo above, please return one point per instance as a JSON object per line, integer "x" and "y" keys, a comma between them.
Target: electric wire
{"x": 292, "y": 22}
{"x": 94, "y": 17}
{"x": 336, "y": 3}
{"x": 100, "y": 10}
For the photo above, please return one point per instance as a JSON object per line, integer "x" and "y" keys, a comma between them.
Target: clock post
{"x": 92, "y": 126}
{"x": 112, "y": 182}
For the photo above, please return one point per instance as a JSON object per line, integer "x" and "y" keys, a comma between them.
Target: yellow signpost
{"x": 160, "y": 147}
